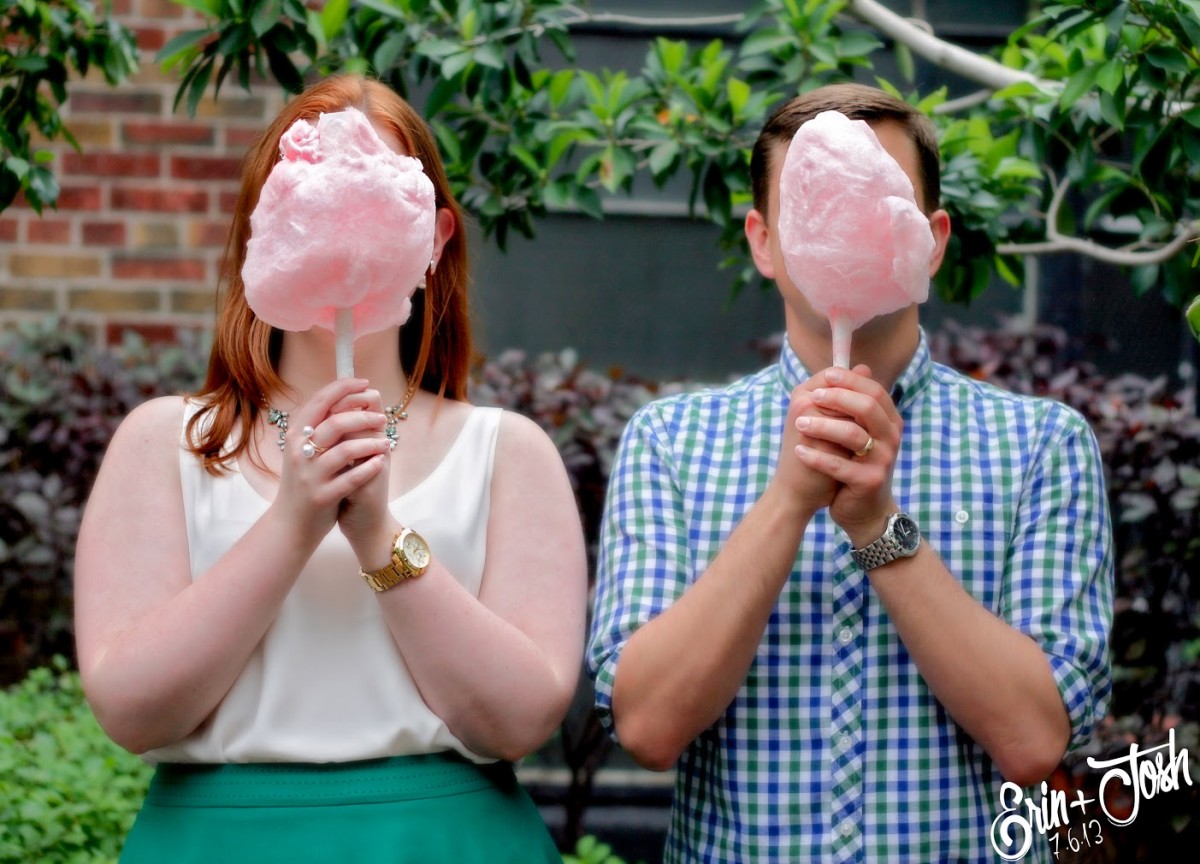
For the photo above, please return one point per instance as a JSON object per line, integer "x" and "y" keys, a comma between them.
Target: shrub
{"x": 67, "y": 793}
{"x": 1149, "y": 440}
{"x": 61, "y": 399}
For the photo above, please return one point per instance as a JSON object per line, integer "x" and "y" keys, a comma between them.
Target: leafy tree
{"x": 44, "y": 41}
{"x": 1084, "y": 135}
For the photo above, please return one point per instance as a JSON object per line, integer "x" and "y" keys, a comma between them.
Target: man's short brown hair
{"x": 858, "y": 102}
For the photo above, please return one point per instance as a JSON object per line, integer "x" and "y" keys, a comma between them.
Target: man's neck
{"x": 886, "y": 344}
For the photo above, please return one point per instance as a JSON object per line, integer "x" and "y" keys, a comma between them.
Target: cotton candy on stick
{"x": 342, "y": 233}
{"x": 853, "y": 239}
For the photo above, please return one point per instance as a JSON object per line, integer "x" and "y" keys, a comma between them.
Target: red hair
{"x": 435, "y": 342}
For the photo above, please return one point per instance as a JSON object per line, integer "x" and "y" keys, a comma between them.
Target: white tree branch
{"x": 1056, "y": 241}
{"x": 976, "y": 67}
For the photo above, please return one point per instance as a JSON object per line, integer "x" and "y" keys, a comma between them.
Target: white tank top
{"x": 327, "y": 683}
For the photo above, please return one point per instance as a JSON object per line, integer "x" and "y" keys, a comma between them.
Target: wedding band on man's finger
{"x": 866, "y": 448}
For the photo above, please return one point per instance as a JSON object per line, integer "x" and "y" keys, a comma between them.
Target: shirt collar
{"x": 913, "y": 380}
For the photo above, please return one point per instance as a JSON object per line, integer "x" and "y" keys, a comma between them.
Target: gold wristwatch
{"x": 410, "y": 558}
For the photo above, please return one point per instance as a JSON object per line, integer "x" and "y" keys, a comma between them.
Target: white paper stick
{"x": 343, "y": 323}
{"x": 842, "y": 328}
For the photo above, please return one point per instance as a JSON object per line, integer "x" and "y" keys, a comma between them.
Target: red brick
{"x": 122, "y": 7}
{"x": 241, "y": 139}
{"x": 80, "y": 198}
{"x": 8, "y": 230}
{"x": 167, "y": 133}
{"x": 48, "y": 231}
{"x": 104, "y": 233}
{"x": 206, "y": 168}
{"x": 208, "y": 234}
{"x": 149, "y": 38}
{"x": 132, "y": 102}
{"x": 189, "y": 269}
{"x": 228, "y": 202}
{"x": 157, "y": 9}
{"x": 174, "y": 200}
{"x": 112, "y": 164}
{"x": 69, "y": 198}
{"x": 153, "y": 333}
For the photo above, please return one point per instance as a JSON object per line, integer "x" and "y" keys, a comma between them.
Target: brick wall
{"x": 140, "y": 226}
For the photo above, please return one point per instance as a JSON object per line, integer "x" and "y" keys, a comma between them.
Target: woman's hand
{"x": 363, "y": 515}
{"x": 350, "y": 453}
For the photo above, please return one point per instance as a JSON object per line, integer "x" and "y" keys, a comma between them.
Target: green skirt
{"x": 404, "y": 810}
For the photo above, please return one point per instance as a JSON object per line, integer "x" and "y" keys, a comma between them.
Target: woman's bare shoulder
{"x": 153, "y": 426}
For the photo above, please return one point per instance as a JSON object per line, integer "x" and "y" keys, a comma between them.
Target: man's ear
{"x": 758, "y": 235}
{"x": 939, "y": 224}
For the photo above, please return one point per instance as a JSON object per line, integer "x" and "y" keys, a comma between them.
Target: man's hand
{"x": 795, "y": 482}
{"x": 848, "y": 413}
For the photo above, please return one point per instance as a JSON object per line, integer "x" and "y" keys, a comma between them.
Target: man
{"x": 850, "y": 604}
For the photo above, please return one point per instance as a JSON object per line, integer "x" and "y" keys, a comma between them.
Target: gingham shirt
{"x": 834, "y": 748}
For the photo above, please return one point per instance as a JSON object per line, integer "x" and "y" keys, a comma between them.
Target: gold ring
{"x": 866, "y": 448}
{"x": 309, "y": 449}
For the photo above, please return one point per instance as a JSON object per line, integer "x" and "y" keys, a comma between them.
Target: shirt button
{"x": 844, "y": 743}
{"x": 847, "y": 828}
{"x": 962, "y": 517}
{"x": 845, "y": 635}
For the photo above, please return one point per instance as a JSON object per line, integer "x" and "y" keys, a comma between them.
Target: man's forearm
{"x": 993, "y": 680}
{"x": 679, "y": 672}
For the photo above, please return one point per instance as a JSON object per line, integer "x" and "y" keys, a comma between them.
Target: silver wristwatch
{"x": 901, "y": 539}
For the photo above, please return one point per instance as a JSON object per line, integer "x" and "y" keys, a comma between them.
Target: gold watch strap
{"x": 387, "y": 577}
{"x": 394, "y": 572}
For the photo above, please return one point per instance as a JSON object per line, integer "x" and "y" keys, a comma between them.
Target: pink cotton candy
{"x": 343, "y": 222}
{"x": 852, "y": 237}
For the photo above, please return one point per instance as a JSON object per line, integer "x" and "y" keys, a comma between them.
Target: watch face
{"x": 907, "y": 534}
{"x": 415, "y": 550}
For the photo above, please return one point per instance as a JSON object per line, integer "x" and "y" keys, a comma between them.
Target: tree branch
{"x": 1056, "y": 241}
{"x": 976, "y": 67}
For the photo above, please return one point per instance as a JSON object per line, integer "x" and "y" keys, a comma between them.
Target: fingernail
{"x": 801, "y": 449}
{"x": 833, "y": 376}
{"x": 803, "y": 422}
{"x": 819, "y": 393}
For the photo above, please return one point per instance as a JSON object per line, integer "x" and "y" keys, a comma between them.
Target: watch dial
{"x": 416, "y": 550}
{"x": 907, "y": 533}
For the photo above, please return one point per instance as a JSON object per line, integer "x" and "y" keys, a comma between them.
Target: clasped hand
{"x": 839, "y": 449}
{"x": 345, "y": 480}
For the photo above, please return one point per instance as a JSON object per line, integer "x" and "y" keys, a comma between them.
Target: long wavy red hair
{"x": 435, "y": 342}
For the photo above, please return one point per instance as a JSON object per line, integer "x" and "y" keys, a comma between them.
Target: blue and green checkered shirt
{"x": 834, "y": 748}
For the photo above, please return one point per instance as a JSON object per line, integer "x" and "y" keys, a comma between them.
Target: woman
{"x": 333, "y": 651}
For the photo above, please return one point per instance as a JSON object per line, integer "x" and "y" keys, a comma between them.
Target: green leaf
{"x": 199, "y": 84}
{"x": 283, "y": 69}
{"x": 662, "y": 156}
{"x": 18, "y": 166}
{"x": 560, "y": 87}
{"x": 437, "y": 49}
{"x": 265, "y": 16}
{"x": 739, "y": 95}
{"x": 211, "y": 8}
{"x": 333, "y": 17}
{"x": 1192, "y": 316}
{"x": 1111, "y": 76}
{"x": 587, "y": 200}
{"x": 455, "y": 63}
{"x": 1169, "y": 59}
{"x": 527, "y": 159}
{"x": 43, "y": 183}
{"x": 181, "y": 43}
{"x": 1078, "y": 84}
{"x": 1191, "y": 116}
{"x": 1006, "y": 272}
{"x": 388, "y": 52}
{"x": 489, "y": 55}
